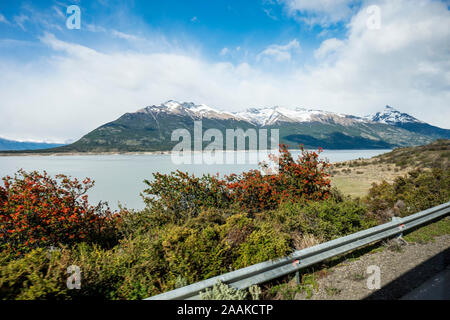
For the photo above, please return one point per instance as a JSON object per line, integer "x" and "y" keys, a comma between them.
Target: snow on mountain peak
{"x": 187, "y": 109}
{"x": 390, "y": 115}
{"x": 171, "y": 104}
{"x": 265, "y": 116}
{"x": 271, "y": 115}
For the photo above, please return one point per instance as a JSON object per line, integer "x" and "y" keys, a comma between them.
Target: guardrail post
{"x": 297, "y": 277}
{"x": 400, "y": 227}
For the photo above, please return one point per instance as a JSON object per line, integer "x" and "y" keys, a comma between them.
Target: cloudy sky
{"x": 346, "y": 56}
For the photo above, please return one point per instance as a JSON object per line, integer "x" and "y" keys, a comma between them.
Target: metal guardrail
{"x": 269, "y": 270}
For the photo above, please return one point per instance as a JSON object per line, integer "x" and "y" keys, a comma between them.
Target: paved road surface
{"x": 436, "y": 288}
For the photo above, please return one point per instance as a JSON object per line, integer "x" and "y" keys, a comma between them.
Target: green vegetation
{"x": 417, "y": 191}
{"x": 429, "y": 232}
{"x": 332, "y": 291}
{"x": 151, "y": 131}
{"x": 433, "y": 155}
{"x": 288, "y": 290}
{"x": 221, "y": 291}
{"x": 201, "y": 228}
{"x": 356, "y": 177}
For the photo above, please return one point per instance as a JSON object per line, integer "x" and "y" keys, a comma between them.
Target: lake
{"x": 119, "y": 178}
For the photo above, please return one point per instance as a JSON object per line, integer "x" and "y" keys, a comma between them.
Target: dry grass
{"x": 356, "y": 181}
{"x": 302, "y": 241}
{"x": 355, "y": 177}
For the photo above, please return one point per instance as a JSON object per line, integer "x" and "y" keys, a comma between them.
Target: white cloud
{"x": 125, "y": 36}
{"x": 224, "y": 51}
{"x": 280, "y": 52}
{"x": 58, "y": 12}
{"x": 406, "y": 64}
{"x": 3, "y": 19}
{"x": 269, "y": 13}
{"x": 322, "y": 12}
{"x": 20, "y": 21}
{"x": 95, "y": 28}
{"x": 14, "y": 43}
{"x": 329, "y": 46}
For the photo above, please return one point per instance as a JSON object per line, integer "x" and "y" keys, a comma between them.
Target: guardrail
{"x": 269, "y": 270}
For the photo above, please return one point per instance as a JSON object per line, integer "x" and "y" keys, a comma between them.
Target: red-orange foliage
{"x": 305, "y": 178}
{"x": 37, "y": 210}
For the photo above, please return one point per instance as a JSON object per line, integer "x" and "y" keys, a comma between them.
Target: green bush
{"x": 161, "y": 248}
{"x": 194, "y": 253}
{"x": 336, "y": 219}
{"x": 418, "y": 190}
{"x": 264, "y": 243}
{"x": 221, "y": 291}
{"x": 326, "y": 219}
{"x": 179, "y": 196}
{"x": 37, "y": 275}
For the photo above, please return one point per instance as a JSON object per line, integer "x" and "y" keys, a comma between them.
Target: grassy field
{"x": 355, "y": 177}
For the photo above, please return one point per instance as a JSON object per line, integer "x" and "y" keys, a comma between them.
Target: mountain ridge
{"x": 150, "y": 128}
{"x": 9, "y": 145}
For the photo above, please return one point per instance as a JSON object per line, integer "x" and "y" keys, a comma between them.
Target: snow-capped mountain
{"x": 402, "y": 120}
{"x": 152, "y": 128}
{"x": 390, "y": 115}
{"x": 265, "y": 116}
{"x": 273, "y": 115}
{"x": 187, "y": 108}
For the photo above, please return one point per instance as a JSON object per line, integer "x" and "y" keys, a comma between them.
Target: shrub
{"x": 221, "y": 291}
{"x": 178, "y": 196}
{"x": 34, "y": 276}
{"x": 182, "y": 195}
{"x": 323, "y": 220}
{"x": 419, "y": 190}
{"x": 39, "y": 211}
{"x": 264, "y": 243}
{"x": 305, "y": 178}
{"x": 195, "y": 253}
{"x": 135, "y": 269}
{"x": 331, "y": 219}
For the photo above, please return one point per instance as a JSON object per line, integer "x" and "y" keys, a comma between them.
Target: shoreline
{"x": 56, "y": 154}
{"x": 117, "y": 153}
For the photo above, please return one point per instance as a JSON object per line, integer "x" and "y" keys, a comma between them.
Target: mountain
{"x": 402, "y": 120}
{"x": 150, "y": 128}
{"x": 7, "y": 145}
{"x": 275, "y": 115}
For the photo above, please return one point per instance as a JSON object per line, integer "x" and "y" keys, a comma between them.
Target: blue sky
{"x": 58, "y": 84}
{"x": 245, "y": 28}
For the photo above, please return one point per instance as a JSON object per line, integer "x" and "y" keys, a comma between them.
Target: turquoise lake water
{"x": 119, "y": 178}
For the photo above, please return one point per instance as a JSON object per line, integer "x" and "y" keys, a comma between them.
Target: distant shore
{"x": 109, "y": 153}
{"x": 48, "y": 154}
{"x": 113, "y": 153}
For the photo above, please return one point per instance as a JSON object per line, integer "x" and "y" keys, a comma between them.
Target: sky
{"x": 347, "y": 56}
